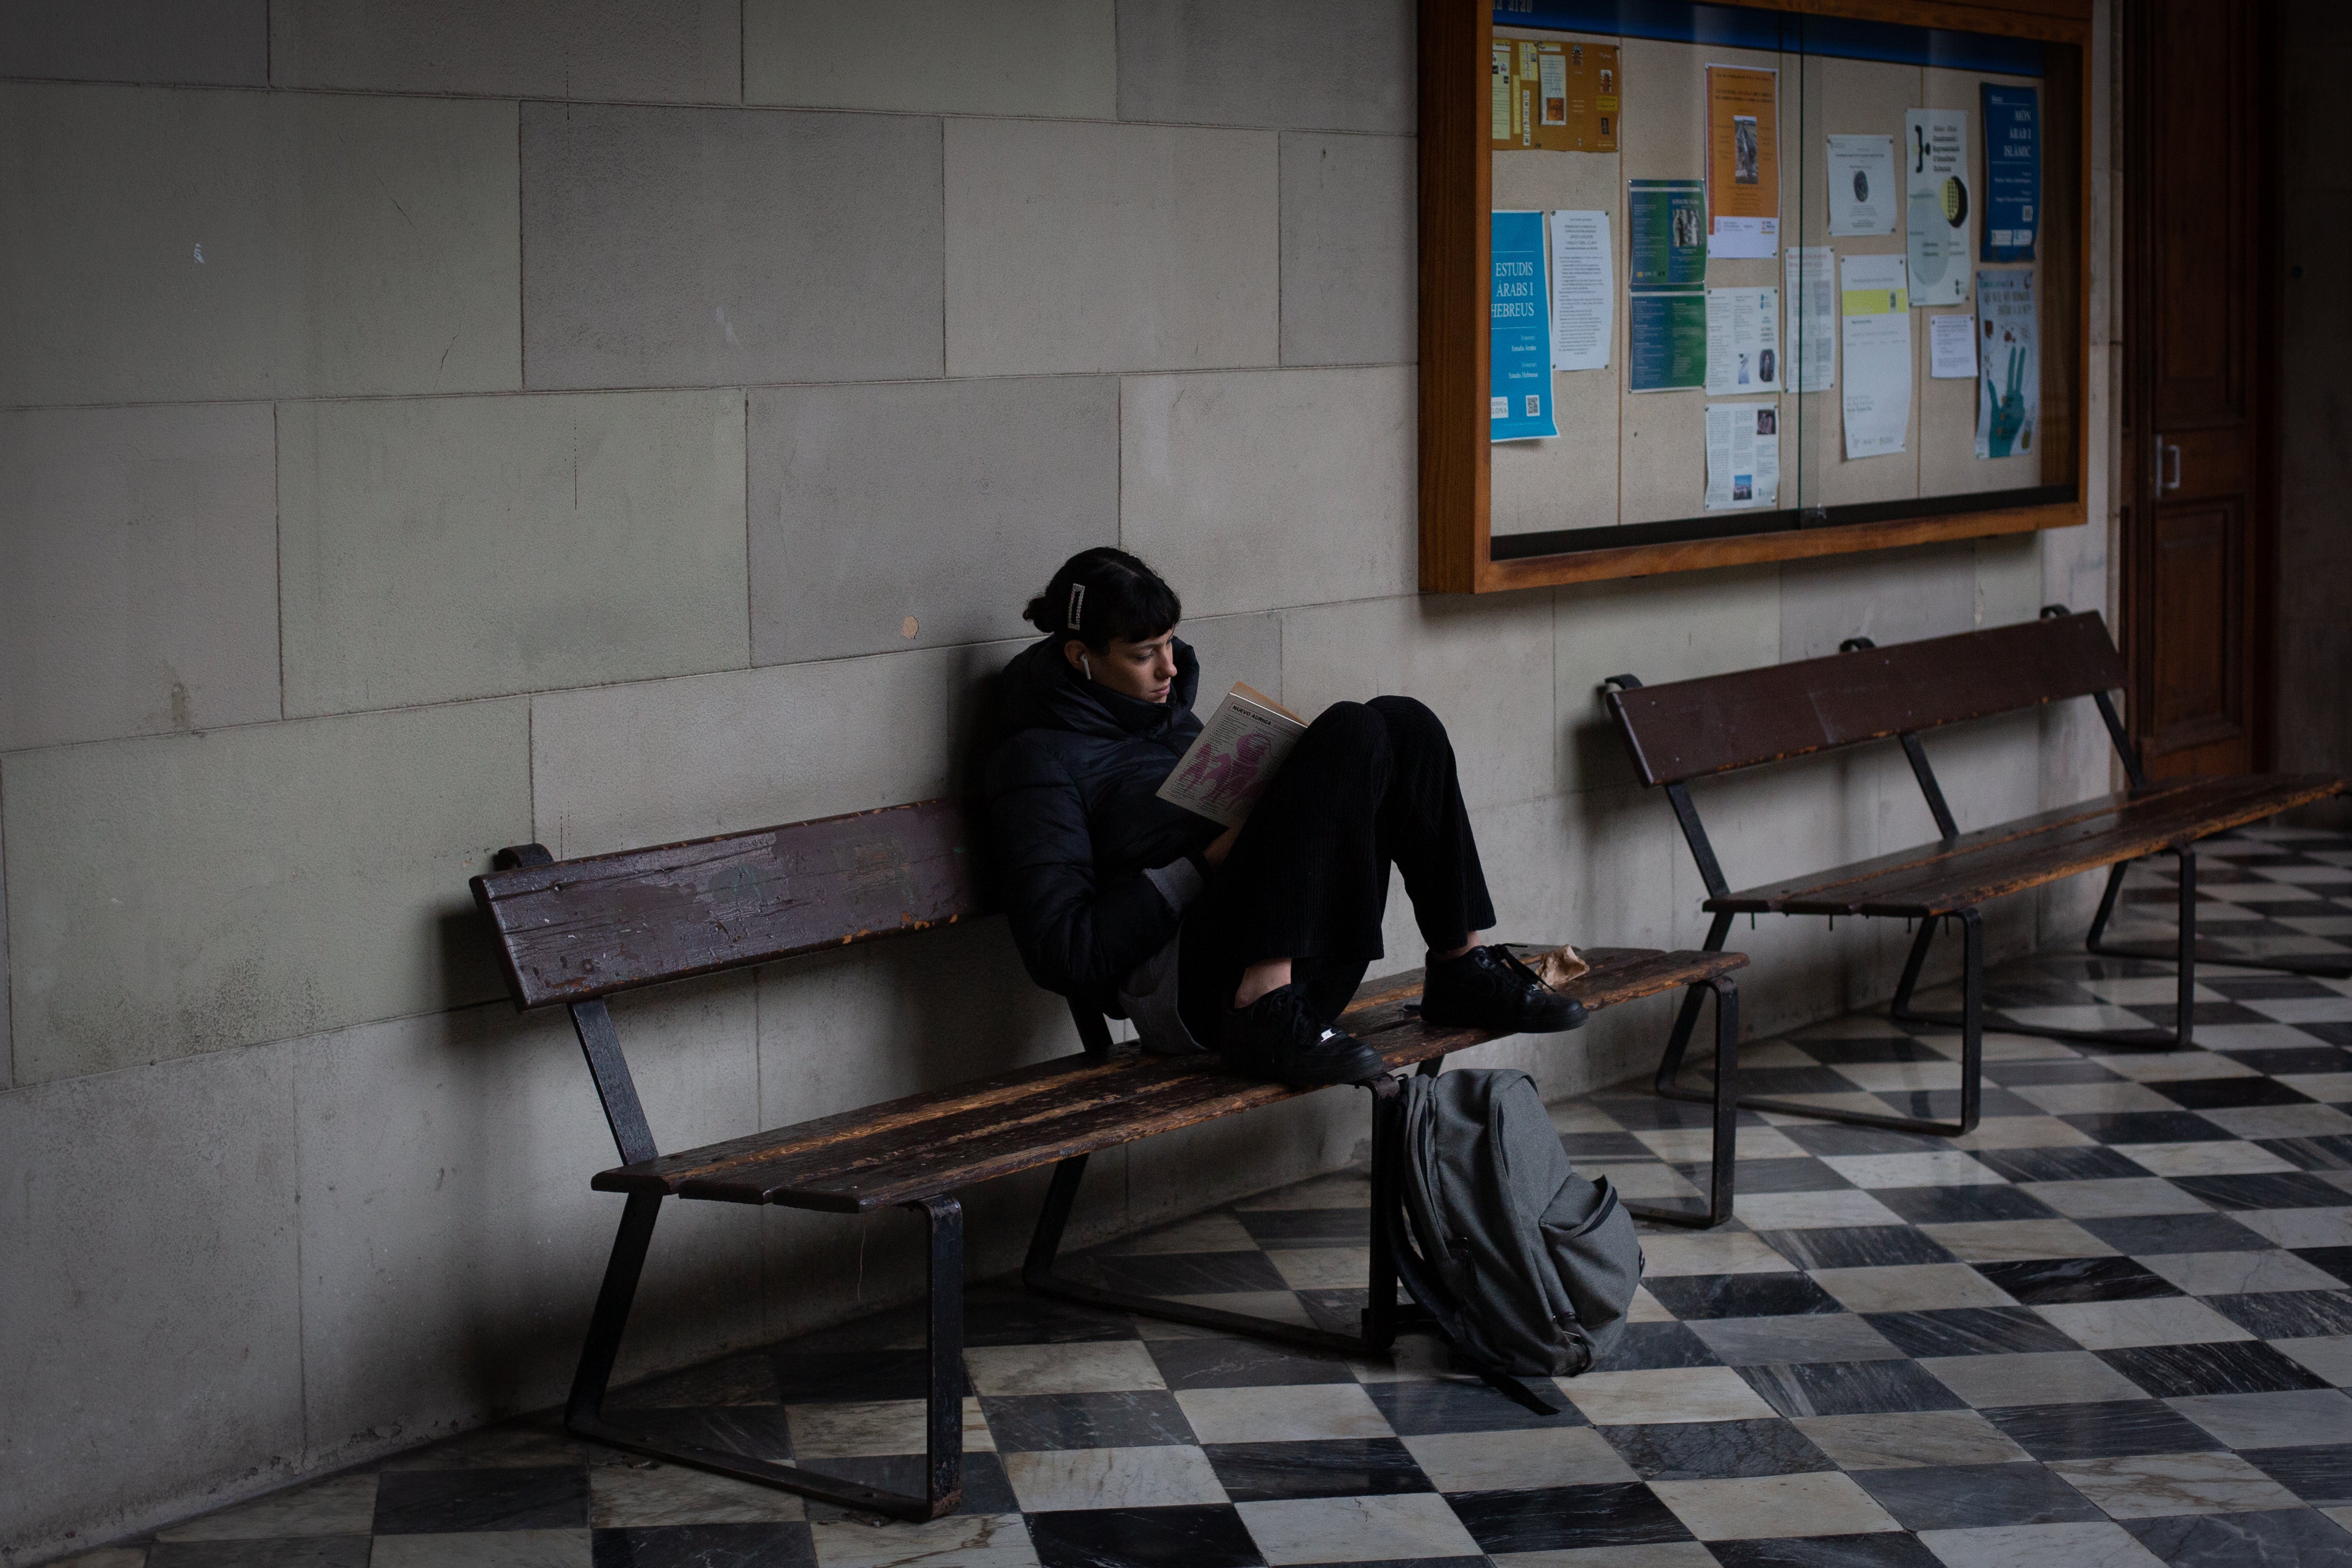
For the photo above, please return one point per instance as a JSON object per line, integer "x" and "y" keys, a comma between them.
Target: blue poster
{"x": 1520, "y": 389}
{"x": 2012, "y": 132}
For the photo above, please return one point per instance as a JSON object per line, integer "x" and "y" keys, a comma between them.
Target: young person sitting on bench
{"x": 1248, "y": 941}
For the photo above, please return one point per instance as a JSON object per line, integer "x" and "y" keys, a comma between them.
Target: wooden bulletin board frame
{"x": 1458, "y": 551}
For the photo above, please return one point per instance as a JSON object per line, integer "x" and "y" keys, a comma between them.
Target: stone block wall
{"x": 426, "y": 426}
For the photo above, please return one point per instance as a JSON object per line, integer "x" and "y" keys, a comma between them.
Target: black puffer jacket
{"x": 1092, "y": 866}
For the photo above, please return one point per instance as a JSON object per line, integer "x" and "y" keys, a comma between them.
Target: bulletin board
{"x": 1710, "y": 284}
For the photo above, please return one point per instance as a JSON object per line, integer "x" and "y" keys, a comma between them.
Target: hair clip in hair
{"x": 1077, "y": 599}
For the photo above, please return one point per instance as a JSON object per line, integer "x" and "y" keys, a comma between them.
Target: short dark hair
{"x": 1102, "y": 594}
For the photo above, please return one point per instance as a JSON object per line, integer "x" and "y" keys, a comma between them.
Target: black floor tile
{"x": 2100, "y": 1431}
{"x": 2333, "y": 1153}
{"x": 2129, "y": 1127}
{"x": 748, "y": 1379}
{"x": 1970, "y": 1330}
{"x": 1891, "y": 1047}
{"x": 2278, "y": 1059}
{"x": 995, "y": 1316}
{"x": 2166, "y": 1015}
{"x": 1689, "y": 1296}
{"x": 1944, "y": 1104}
{"x": 1976, "y": 1496}
{"x": 1418, "y": 1407}
{"x": 435, "y": 1502}
{"x": 2145, "y": 1235}
{"x": 1031, "y": 1423}
{"x": 1806, "y": 1176}
{"x": 2336, "y": 1260}
{"x": 1645, "y": 1347}
{"x": 1586, "y": 1148}
{"x": 758, "y": 1430}
{"x": 1855, "y": 1246}
{"x": 1888, "y": 1549}
{"x": 1785, "y": 1081}
{"x": 2320, "y": 1474}
{"x": 1306, "y": 1227}
{"x": 2287, "y": 1539}
{"x": 704, "y": 1546}
{"x": 2045, "y": 1281}
{"x": 2227, "y": 1093}
{"x": 1341, "y": 1311}
{"x": 1849, "y": 1387}
{"x": 1357, "y": 1466}
{"x": 2268, "y": 988}
{"x": 1191, "y": 1273}
{"x": 2233, "y": 1366}
{"x": 2329, "y": 1033}
{"x": 1243, "y": 1363}
{"x": 291, "y": 1551}
{"x": 2083, "y": 1163}
{"x": 1962, "y": 1206}
{"x": 2288, "y": 1314}
{"x": 2070, "y": 1069}
{"x": 804, "y": 1378}
{"x": 2266, "y": 1190}
{"x": 985, "y": 1487}
{"x": 1716, "y": 1450}
{"x": 1558, "y": 1519}
{"x": 1201, "y": 1537}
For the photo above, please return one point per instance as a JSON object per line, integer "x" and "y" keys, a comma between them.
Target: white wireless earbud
{"x": 1085, "y": 668}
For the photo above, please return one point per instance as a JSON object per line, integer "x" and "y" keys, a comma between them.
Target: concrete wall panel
{"x": 688, "y": 247}
{"x": 140, "y": 595}
{"x": 1042, "y": 57}
{"x": 151, "y": 1317}
{"x": 661, "y": 760}
{"x": 1485, "y": 667}
{"x": 657, "y": 51}
{"x": 1252, "y": 491}
{"x": 1350, "y": 253}
{"x": 921, "y": 514}
{"x": 1887, "y": 595}
{"x": 212, "y": 43}
{"x": 445, "y": 548}
{"x": 1236, "y": 647}
{"x": 451, "y": 1247}
{"x": 1327, "y": 65}
{"x": 176, "y": 245}
{"x": 1655, "y": 629}
{"x": 185, "y": 894}
{"x": 1083, "y": 248}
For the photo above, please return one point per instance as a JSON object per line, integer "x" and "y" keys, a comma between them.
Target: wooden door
{"x": 2195, "y": 152}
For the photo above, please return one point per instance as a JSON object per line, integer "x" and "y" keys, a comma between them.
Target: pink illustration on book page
{"x": 1224, "y": 777}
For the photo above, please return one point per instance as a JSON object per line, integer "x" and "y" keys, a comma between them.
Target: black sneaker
{"x": 1276, "y": 1038}
{"x": 1488, "y": 988}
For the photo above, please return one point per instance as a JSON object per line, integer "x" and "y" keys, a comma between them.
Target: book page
{"x": 1239, "y": 749}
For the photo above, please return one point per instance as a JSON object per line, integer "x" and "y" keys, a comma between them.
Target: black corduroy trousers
{"x": 1370, "y": 786}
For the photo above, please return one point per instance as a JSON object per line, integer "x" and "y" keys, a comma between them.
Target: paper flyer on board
{"x": 1952, "y": 346}
{"x": 1873, "y": 305}
{"x": 1743, "y": 340}
{"x": 1520, "y": 321}
{"x": 2013, "y": 175}
{"x": 2009, "y": 364}
{"x": 1863, "y": 196}
{"x": 1743, "y": 162}
{"x": 1666, "y": 235}
{"x": 1939, "y": 208}
{"x": 1583, "y": 291}
{"x": 1812, "y": 350}
{"x": 1743, "y": 456}
{"x": 1665, "y": 342}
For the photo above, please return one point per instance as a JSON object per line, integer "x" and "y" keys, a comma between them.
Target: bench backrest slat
{"x": 1688, "y": 728}
{"x": 585, "y": 928}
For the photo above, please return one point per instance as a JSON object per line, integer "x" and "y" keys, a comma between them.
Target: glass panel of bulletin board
{"x": 1705, "y": 284}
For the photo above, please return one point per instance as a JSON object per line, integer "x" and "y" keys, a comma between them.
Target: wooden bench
{"x": 1695, "y": 729}
{"x": 575, "y": 932}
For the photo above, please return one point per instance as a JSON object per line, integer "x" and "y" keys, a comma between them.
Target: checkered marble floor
{"x": 2111, "y": 1328}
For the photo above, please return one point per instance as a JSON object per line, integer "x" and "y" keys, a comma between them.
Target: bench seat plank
{"x": 926, "y": 1144}
{"x": 1940, "y": 879}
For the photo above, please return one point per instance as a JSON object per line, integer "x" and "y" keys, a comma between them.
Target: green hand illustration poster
{"x": 2009, "y": 364}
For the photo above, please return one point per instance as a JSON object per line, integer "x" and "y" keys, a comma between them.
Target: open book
{"x": 1236, "y": 754}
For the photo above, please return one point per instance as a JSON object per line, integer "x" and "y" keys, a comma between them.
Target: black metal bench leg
{"x": 1045, "y": 1245}
{"x": 2184, "y": 950}
{"x": 1670, "y": 1064}
{"x": 1725, "y": 1150}
{"x": 583, "y": 1413}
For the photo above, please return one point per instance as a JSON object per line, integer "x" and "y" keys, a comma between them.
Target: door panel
{"x": 2196, "y": 490}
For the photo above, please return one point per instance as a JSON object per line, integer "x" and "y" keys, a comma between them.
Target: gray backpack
{"x": 1528, "y": 1268}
